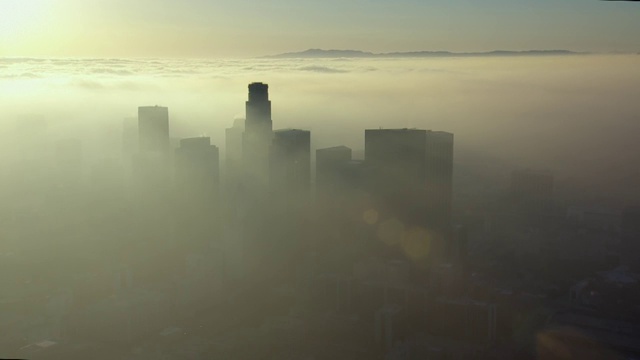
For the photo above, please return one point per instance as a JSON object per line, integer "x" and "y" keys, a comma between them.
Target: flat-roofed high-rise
{"x": 233, "y": 146}
{"x": 413, "y": 173}
{"x": 397, "y": 161}
{"x": 330, "y": 164}
{"x": 153, "y": 129}
{"x": 410, "y": 180}
{"x": 439, "y": 177}
{"x": 291, "y": 162}
{"x": 258, "y": 134}
{"x": 196, "y": 179}
{"x": 197, "y": 168}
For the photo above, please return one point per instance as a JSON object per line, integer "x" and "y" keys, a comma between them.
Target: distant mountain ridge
{"x": 320, "y": 53}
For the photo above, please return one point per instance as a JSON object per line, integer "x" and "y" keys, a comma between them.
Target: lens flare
{"x": 416, "y": 244}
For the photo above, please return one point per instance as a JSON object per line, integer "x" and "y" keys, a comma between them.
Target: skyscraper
{"x": 411, "y": 180}
{"x": 151, "y": 173}
{"x": 153, "y": 130}
{"x": 290, "y": 184}
{"x": 397, "y": 159}
{"x": 251, "y": 223}
{"x": 151, "y": 162}
{"x": 291, "y": 162}
{"x": 257, "y": 135}
{"x": 197, "y": 168}
{"x": 258, "y": 107}
{"x": 413, "y": 170}
{"x": 439, "y": 177}
{"x": 233, "y": 157}
{"x": 197, "y": 181}
{"x": 330, "y": 162}
{"x": 233, "y": 166}
{"x": 339, "y": 236}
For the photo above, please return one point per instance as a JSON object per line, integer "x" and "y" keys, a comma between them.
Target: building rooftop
{"x": 291, "y": 130}
{"x": 397, "y": 130}
{"x": 152, "y": 107}
{"x": 440, "y": 133}
{"x": 195, "y": 142}
{"x": 335, "y": 148}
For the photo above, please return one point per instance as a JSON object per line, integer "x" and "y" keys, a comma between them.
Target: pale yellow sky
{"x": 221, "y": 28}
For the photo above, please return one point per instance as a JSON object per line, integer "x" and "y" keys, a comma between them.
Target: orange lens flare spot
{"x": 370, "y": 216}
{"x": 416, "y": 244}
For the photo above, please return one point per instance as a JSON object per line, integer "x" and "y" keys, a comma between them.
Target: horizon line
{"x": 257, "y": 57}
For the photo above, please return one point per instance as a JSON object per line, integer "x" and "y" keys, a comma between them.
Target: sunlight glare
{"x": 18, "y": 16}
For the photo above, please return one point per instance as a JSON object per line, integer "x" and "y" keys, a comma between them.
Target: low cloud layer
{"x": 576, "y": 116}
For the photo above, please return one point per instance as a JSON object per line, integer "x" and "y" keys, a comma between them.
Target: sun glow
{"x": 19, "y": 18}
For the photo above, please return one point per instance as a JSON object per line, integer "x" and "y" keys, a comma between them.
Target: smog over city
{"x": 363, "y": 179}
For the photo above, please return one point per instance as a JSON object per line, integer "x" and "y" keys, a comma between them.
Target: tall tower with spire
{"x": 258, "y": 135}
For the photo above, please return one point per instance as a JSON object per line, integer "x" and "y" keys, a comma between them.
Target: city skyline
{"x": 563, "y": 99}
{"x": 403, "y": 247}
{"x": 307, "y": 179}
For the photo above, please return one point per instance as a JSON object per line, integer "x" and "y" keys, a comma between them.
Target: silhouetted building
{"x": 151, "y": 177}
{"x": 342, "y": 204}
{"x": 330, "y": 164}
{"x": 290, "y": 196}
{"x": 151, "y": 162}
{"x": 410, "y": 178}
{"x": 439, "y": 176}
{"x": 257, "y": 135}
{"x": 152, "y": 199}
{"x": 233, "y": 199}
{"x": 233, "y": 156}
{"x": 291, "y": 162}
{"x": 153, "y": 129}
{"x": 197, "y": 169}
{"x": 253, "y": 223}
{"x": 397, "y": 159}
{"x": 197, "y": 177}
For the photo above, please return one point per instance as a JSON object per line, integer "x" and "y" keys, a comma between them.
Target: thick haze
{"x": 134, "y": 231}
{"x": 574, "y": 115}
{"x": 204, "y": 28}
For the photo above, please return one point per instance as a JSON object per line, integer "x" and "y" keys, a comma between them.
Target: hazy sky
{"x": 223, "y": 28}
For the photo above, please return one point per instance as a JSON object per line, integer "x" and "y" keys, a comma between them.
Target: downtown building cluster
{"x": 268, "y": 214}
{"x": 366, "y": 230}
{"x": 180, "y": 249}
